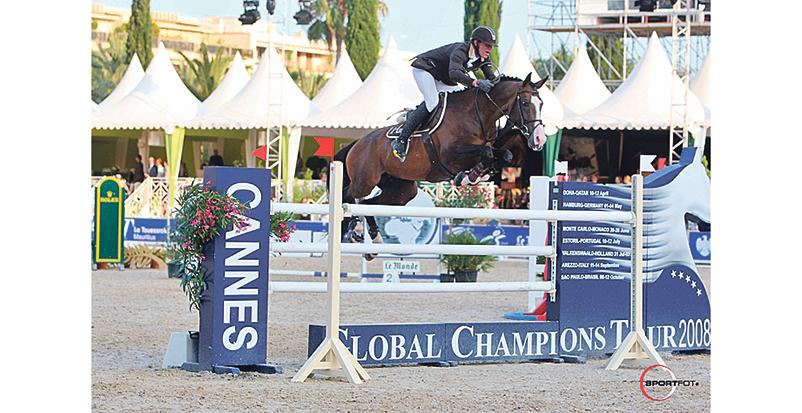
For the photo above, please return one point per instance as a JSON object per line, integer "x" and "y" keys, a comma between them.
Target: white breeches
{"x": 429, "y": 87}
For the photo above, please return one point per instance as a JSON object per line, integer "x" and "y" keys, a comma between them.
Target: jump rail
{"x": 352, "y": 287}
{"x": 333, "y": 358}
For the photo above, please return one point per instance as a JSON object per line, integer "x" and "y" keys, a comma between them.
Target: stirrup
{"x": 401, "y": 157}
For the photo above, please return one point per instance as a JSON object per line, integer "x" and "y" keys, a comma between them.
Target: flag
{"x": 326, "y": 147}
{"x": 261, "y": 153}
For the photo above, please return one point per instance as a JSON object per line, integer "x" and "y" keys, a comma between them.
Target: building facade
{"x": 185, "y": 34}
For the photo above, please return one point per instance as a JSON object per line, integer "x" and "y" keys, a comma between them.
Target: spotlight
{"x": 306, "y": 14}
{"x": 251, "y": 14}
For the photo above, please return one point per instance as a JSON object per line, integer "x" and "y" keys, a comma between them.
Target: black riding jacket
{"x": 450, "y": 64}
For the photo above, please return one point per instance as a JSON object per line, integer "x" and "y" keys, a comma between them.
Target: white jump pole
{"x": 332, "y": 358}
{"x": 353, "y": 287}
{"x": 636, "y": 347}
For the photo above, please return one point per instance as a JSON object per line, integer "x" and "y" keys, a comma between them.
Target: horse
{"x": 463, "y": 146}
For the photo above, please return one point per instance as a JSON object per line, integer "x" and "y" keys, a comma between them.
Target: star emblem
{"x": 687, "y": 278}
{"x": 698, "y": 292}
{"x": 693, "y": 284}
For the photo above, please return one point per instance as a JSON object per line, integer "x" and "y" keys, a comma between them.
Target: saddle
{"x": 427, "y": 127}
{"x": 438, "y": 171}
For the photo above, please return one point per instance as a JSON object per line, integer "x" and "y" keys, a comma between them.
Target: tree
{"x": 108, "y": 66}
{"x": 483, "y": 13}
{"x": 208, "y": 73}
{"x": 310, "y": 83}
{"x": 362, "y": 35}
{"x": 612, "y": 49}
{"x": 140, "y": 34}
{"x": 331, "y": 21}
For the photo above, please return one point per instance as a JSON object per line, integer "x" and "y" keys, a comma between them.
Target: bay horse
{"x": 460, "y": 147}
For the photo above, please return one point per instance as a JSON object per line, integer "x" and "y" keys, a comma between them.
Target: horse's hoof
{"x": 370, "y": 257}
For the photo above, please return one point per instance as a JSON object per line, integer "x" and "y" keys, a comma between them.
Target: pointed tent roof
{"x": 389, "y": 88}
{"x": 581, "y": 89}
{"x": 644, "y": 100}
{"x": 253, "y": 107}
{"x": 700, "y": 85}
{"x": 516, "y": 63}
{"x": 343, "y": 83}
{"x": 133, "y": 75}
{"x": 235, "y": 79}
{"x": 159, "y": 101}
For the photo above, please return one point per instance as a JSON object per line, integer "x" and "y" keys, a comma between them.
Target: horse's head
{"x": 526, "y": 113}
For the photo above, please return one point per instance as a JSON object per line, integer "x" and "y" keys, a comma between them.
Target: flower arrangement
{"x": 467, "y": 197}
{"x": 201, "y": 213}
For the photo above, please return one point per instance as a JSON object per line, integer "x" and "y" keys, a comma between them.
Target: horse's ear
{"x": 528, "y": 79}
{"x": 541, "y": 82}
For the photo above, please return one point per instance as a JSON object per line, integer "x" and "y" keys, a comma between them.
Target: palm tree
{"x": 108, "y": 67}
{"x": 309, "y": 82}
{"x": 208, "y": 72}
{"x": 330, "y": 25}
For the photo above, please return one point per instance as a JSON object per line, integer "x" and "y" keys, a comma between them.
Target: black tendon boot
{"x": 401, "y": 144}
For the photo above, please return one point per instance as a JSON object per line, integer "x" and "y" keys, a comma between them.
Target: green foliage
{"x": 200, "y": 215}
{"x": 208, "y": 72}
{"x": 304, "y": 189}
{"x": 330, "y": 25}
{"x": 108, "y": 67}
{"x": 612, "y": 48}
{"x": 467, "y": 262}
{"x": 309, "y": 82}
{"x": 564, "y": 56}
{"x": 483, "y": 13}
{"x": 140, "y": 32}
{"x": 362, "y": 35}
{"x": 707, "y": 166}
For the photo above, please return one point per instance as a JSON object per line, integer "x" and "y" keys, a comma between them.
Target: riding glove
{"x": 484, "y": 84}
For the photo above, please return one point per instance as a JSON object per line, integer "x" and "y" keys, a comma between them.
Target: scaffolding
{"x": 683, "y": 27}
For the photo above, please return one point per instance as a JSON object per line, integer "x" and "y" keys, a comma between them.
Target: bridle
{"x": 511, "y": 124}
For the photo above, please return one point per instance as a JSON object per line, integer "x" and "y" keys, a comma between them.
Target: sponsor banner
{"x": 699, "y": 243}
{"x": 390, "y": 344}
{"x": 233, "y": 312}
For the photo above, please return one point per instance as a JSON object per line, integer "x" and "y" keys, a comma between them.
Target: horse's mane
{"x": 501, "y": 78}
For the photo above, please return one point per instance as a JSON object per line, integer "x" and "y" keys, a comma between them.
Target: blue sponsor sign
{"x": 392, "y": 344}
{"x": 233, "y": 311}
{"x": 593, "y": 264}
{"x": 699, "y": 243}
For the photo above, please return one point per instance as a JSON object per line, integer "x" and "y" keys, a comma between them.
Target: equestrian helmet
{"x": 484, "y": 34}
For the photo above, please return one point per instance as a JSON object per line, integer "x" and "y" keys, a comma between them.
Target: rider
{"x": 444, "y": 68}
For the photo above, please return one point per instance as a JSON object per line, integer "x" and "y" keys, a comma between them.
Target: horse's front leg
{"x": 479, "y": 172}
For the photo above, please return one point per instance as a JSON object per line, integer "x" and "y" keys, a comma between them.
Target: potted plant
{"x": 202, "y": 213}
{"x": 466, "y": 267}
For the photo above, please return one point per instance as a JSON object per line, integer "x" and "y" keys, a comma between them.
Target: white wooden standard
{"x": 636, "y": 347}
{"x": 332, "y": 358}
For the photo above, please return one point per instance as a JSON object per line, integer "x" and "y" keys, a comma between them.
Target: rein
{"x": 514, "y": 125}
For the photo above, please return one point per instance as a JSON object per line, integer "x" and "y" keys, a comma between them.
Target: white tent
{"x": 516, "y": 63}
{"x": 581, "y": 89}
{"x": 700, "y": 86}
{"x": 159, "y": 101}
{"x": 256, "y": 105}
{"x": 342, "y": 84}
{"x": 644, "y": 100}
{"x": 133, "y": 75}
{"x": 388, "y": 89}
{"x": 235, "y": 79}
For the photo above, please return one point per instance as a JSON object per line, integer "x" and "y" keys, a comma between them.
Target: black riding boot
{"x": 414, "y": 119}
